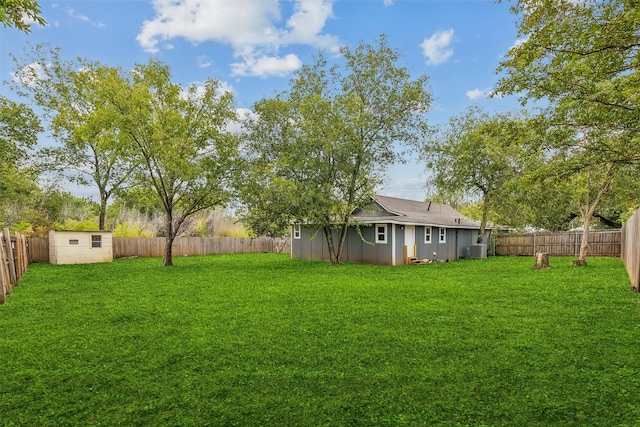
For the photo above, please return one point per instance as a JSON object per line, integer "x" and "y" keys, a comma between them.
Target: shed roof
{"x": 412, "y": 212}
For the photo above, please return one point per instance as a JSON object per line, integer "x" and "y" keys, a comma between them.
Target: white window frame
{"x": 384, "y": 233}
{"x": 297, "y": 232}
{"x": 428, "y": 232}
{"x": 442, "y": 235}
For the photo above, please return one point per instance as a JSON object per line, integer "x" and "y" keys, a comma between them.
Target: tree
{"x": 581, "y": 57}
{"x": 324, "y": 146}
{"x": 178, "y": 136}
{"x": 589, "y": 179}
{"x": 75, "y": 96}
{"x": 478, "y": 157}
{"x": 18, "y": 13}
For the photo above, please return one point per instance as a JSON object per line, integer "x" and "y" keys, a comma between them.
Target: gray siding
{"x": 355, "y": 250}
{"x": 312, "y": 245}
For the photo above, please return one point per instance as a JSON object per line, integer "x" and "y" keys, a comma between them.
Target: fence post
{"x": 5, "y": 277}
{"x": 10, "y": 257}
{"x": 534, "y": 243}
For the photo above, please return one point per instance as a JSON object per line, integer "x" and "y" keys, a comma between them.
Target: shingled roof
{"x": 412, "y": 212}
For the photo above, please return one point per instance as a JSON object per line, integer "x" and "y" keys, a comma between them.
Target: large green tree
{"x": 318, "y": 151}
{"x": 582, "y": 58}
{"x": 76, "y": 98}
{"x": 178, "y": 136}
{"x": 19, "y": 13}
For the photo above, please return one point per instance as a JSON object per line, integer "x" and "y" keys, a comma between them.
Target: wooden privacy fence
{"x": 631, "y": 249}
{"x": 601, "y": 243}
{"x": 182, "y": 246}
{"x": 13, "y": 262}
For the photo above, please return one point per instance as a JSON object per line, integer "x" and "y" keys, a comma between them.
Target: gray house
{"x": 396, "y": 231}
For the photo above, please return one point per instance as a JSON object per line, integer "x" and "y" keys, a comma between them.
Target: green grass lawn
{"x": 263, "y": 340}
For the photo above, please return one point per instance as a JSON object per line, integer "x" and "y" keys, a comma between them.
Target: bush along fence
{"x": 182, "y": 246}
{"x": 631, "y": 249}
{"x": 601, "y": 243}
{"x": 13, "y": 262}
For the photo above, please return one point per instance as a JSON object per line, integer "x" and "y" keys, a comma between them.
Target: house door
{"x": 410, "y": 240}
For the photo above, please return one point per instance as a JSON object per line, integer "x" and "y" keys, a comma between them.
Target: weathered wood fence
{"x": 182, "y": 246}
{"x": 631, "y": 249}
{"x": 601, "y": 243}
{"x": 13, "y": 262}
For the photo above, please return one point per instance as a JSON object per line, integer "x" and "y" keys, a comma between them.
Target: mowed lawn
{"x": 264, "y": 340}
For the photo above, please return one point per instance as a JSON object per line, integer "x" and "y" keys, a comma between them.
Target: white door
{"x": 410, "y": 239}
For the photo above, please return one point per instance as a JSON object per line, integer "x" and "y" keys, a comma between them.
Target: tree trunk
{"x": 103, "y": 211}
{"x": 584, "y": 244}
{"x": 589, "y": 209}
{"x": 332, "y": 252}
{"x": 343, "y": 237}
{"x": 170, "y": 236}
{"x": 483, "y": 220}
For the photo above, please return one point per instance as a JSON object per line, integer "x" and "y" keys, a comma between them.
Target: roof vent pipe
{"x": 429, "y": 207}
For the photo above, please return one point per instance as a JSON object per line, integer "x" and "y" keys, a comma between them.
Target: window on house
{"x": 96, "y": 241}
{"x": 427, "y": 234}
{"x": 381, "y": 233}
{"x": 74, "y": 242}
{"x": 296, "y": 231}
{"x": 443, "y": 235}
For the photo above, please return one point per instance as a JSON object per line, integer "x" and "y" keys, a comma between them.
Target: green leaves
{"x": 583, "y": 58}
{"x": 17, "y": 13}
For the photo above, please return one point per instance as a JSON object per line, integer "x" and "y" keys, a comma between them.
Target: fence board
{"x": 631, "y": 249}
{"x": 601, "y": 243}
{"x": 13, "y": 261}
{"x": 5, "y": 277}
{"x": 38, "y": 249}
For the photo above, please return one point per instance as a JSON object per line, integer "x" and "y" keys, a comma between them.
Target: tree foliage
{"x": 480, "y": 157}
{"x": 582, "y": 57}
{"x": 319, "y": 151}
{"x": 19, "y": 13}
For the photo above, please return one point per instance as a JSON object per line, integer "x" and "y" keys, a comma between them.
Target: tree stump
{"x": 542, "y": 261}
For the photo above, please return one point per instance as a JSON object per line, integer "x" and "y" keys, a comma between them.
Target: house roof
{"x": 412, "y": 212}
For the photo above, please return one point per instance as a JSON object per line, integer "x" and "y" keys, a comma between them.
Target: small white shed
{"x": 80, "y": 247}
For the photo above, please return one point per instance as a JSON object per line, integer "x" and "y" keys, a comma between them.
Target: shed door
{"x": 410, "y": 239}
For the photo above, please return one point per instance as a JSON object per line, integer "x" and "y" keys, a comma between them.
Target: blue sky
{"x": 254, "y": 46}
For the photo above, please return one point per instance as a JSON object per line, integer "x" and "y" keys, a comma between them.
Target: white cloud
{"x": 265, "y": 66}
{"x": 204, "y": 61}
{"x": 436, "y": 48}
{"x": 75, "y": 15}
{"x": 84, "y": 18}
{"x": 388, "y": 3}
{"x": 307, "y": 22}
{"x": 250, "y": 27}
{"x": 479, "y": 93}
